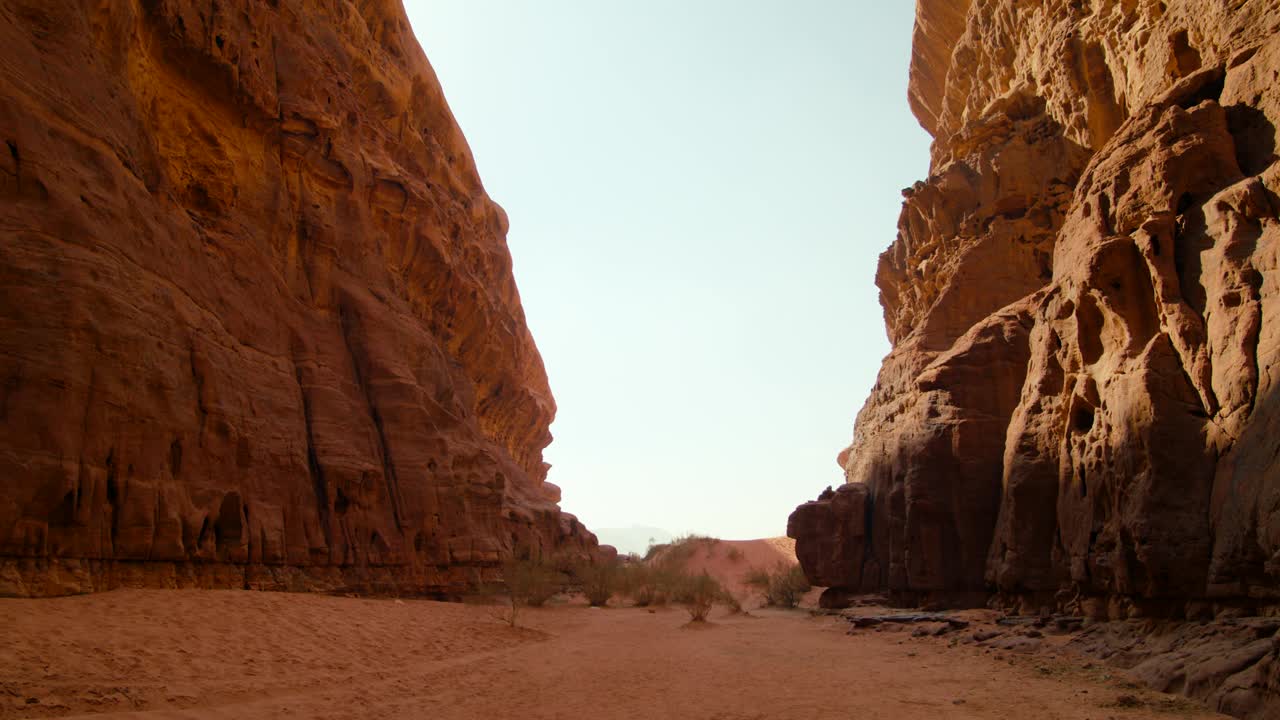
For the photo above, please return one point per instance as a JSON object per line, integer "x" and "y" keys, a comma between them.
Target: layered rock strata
{"x": 258, "y": 326}
{"x": 1080, "y": 409}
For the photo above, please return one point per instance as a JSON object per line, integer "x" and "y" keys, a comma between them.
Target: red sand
{"x": 235, "y": 654}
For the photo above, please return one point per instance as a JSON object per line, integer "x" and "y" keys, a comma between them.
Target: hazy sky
{"x": 698, "y": 193}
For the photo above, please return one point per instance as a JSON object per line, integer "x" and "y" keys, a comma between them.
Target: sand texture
{"x": 235, "y": 654}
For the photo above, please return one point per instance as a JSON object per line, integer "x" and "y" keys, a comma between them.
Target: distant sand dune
{"x": 728, "y": 561}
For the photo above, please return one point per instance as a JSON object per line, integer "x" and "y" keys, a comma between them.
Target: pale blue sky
{"x": 698, "y": 193}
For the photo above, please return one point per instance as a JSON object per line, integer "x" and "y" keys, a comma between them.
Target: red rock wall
{"x": 258, "y": 325}
{"x": 1080, "y": 408}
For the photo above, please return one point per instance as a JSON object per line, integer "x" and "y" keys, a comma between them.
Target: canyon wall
{"x": 1080, "y": 410}
{"x": 258, "y": 325}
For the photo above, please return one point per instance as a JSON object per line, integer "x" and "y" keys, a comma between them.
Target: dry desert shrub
{"x": 731, "y": 601}
{"x": 663, "y": 577}
{"x": 637, "y": 583}
{"x": 787, "y": 586}
{"x": 782, "y": 588}
{"x": 757, "y": 578}
{"x": 699, "y": 593}
{"x": 650, "y": 584}
{"x": 530, "y": 581}
{"x": 654, "y": 549}
{"x": 600, "y": 580}
{"x": 682, "y": 547}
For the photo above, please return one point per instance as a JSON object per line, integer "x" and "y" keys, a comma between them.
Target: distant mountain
{"x": 634, "y": 539}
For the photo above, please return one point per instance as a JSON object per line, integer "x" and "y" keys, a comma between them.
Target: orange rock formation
{"x": 258, "y": 325}
{"x": 1081, "y": 407}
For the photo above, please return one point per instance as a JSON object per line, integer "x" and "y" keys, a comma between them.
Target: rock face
{"x": 1081, "y": 405}
{"x": 258, "y": 325}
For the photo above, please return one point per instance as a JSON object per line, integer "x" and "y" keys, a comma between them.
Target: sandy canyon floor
{"x": 235, "y": 654}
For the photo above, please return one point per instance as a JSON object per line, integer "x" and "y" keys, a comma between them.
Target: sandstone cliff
{"x": 258, "y": 325}
{"x": 1080, "y": 409}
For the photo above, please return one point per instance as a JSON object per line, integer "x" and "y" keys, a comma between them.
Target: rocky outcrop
{"x": 1230, "y": 664}
{"x": 258, "y": 325}
{"x": 1080, "y": 409}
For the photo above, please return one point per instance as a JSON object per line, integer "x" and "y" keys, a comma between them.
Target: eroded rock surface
{"x": 1230, "y": 664}
{"x": 1227, "y": 663}
{"x": 258, "y": 325}
{"x": 1080, "y": 410}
